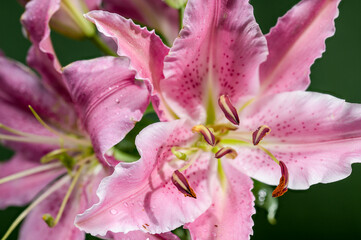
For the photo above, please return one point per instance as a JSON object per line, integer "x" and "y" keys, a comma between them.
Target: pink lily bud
{"x": 67, "y": 17}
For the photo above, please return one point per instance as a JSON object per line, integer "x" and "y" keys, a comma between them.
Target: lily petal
{"x": 35, "y": 228}
{"x": 153, "y": 13}
{"x": 108, "y": 99}
{"x": 136, "y": 235}
{"x": 23, "y": 190}
{"x": 93, "y": 4}
{"x": 230, "y": 216}
{"x": 305, "y": 128}
{"x": 141, "y": 195}
{"x": 294, "y": 44}
{"x": 36, "y": 20}
{"x": 218, "y": 52}
{"x": 145, "y": 49}
{"x": 49, "y": 75}
{"x": 20, "y": 120}
{"x": 21, "y": 87}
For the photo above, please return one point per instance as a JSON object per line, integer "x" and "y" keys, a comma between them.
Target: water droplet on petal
{"x": 117, "y": 100}
{"x": 113, "y": 211}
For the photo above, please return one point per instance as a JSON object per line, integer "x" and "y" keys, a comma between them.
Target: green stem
{"x": 102, "y": 46}
{"x": 181, "y": 14}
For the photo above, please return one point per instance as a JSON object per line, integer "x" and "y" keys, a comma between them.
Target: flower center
{"x": 217, "y": 138}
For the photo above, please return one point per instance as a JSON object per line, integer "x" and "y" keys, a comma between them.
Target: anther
{"x": 228, "y": 109}
{"x": 260, "y": 133}
{"x": 282, "y": 186}
{"x": 226, "y": 151}
{"x": 182, "y": 184}
{"x": 207, "y": 134}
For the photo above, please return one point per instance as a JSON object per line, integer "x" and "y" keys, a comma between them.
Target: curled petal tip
{"x": 228, "y": 109}
{"x": 181, "y": 183}
{"x": 207, "y": 134}
{"x": 260, "y": 133}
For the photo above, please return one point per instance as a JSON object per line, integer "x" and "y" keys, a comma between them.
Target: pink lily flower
{"x": 66, "y": 17}
{"x": 65, "y": 187}
{"x": 62, "y": 148}
{"x": 80, "y": 118}
{"x": 229, "y": 83}
{"x": 155, "y": 14}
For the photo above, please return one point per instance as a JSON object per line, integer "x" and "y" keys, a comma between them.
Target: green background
{"x": 331, "y": 211}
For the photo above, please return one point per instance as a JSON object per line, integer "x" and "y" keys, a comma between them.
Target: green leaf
{"x": 264, "y": 200}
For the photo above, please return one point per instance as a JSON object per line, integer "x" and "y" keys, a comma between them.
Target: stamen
{"x": 190, "y": 162}
{"x": 246, "y": 104}
{"x": 223, "y": 128}
{"x": 181, "y": 183}
{"x": 207, "y": 134}
{"x": 226, "y": 151}
{"x": 46, "y": 194}
{"x": 17, "y": 132}
{"x": 55, "y": 154}
{"x": 47, "y": 217}
{"x": 260, "y": 133}
{"x": 41, "y": 121}
{"x": 44, "y": 140}
{"x": 30, "y": 172}
{"x": 228, "y": 109}
{"x": 282, "y": 186}
{"x": 269, "y": 154}
{"x": 60, "y": 134}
